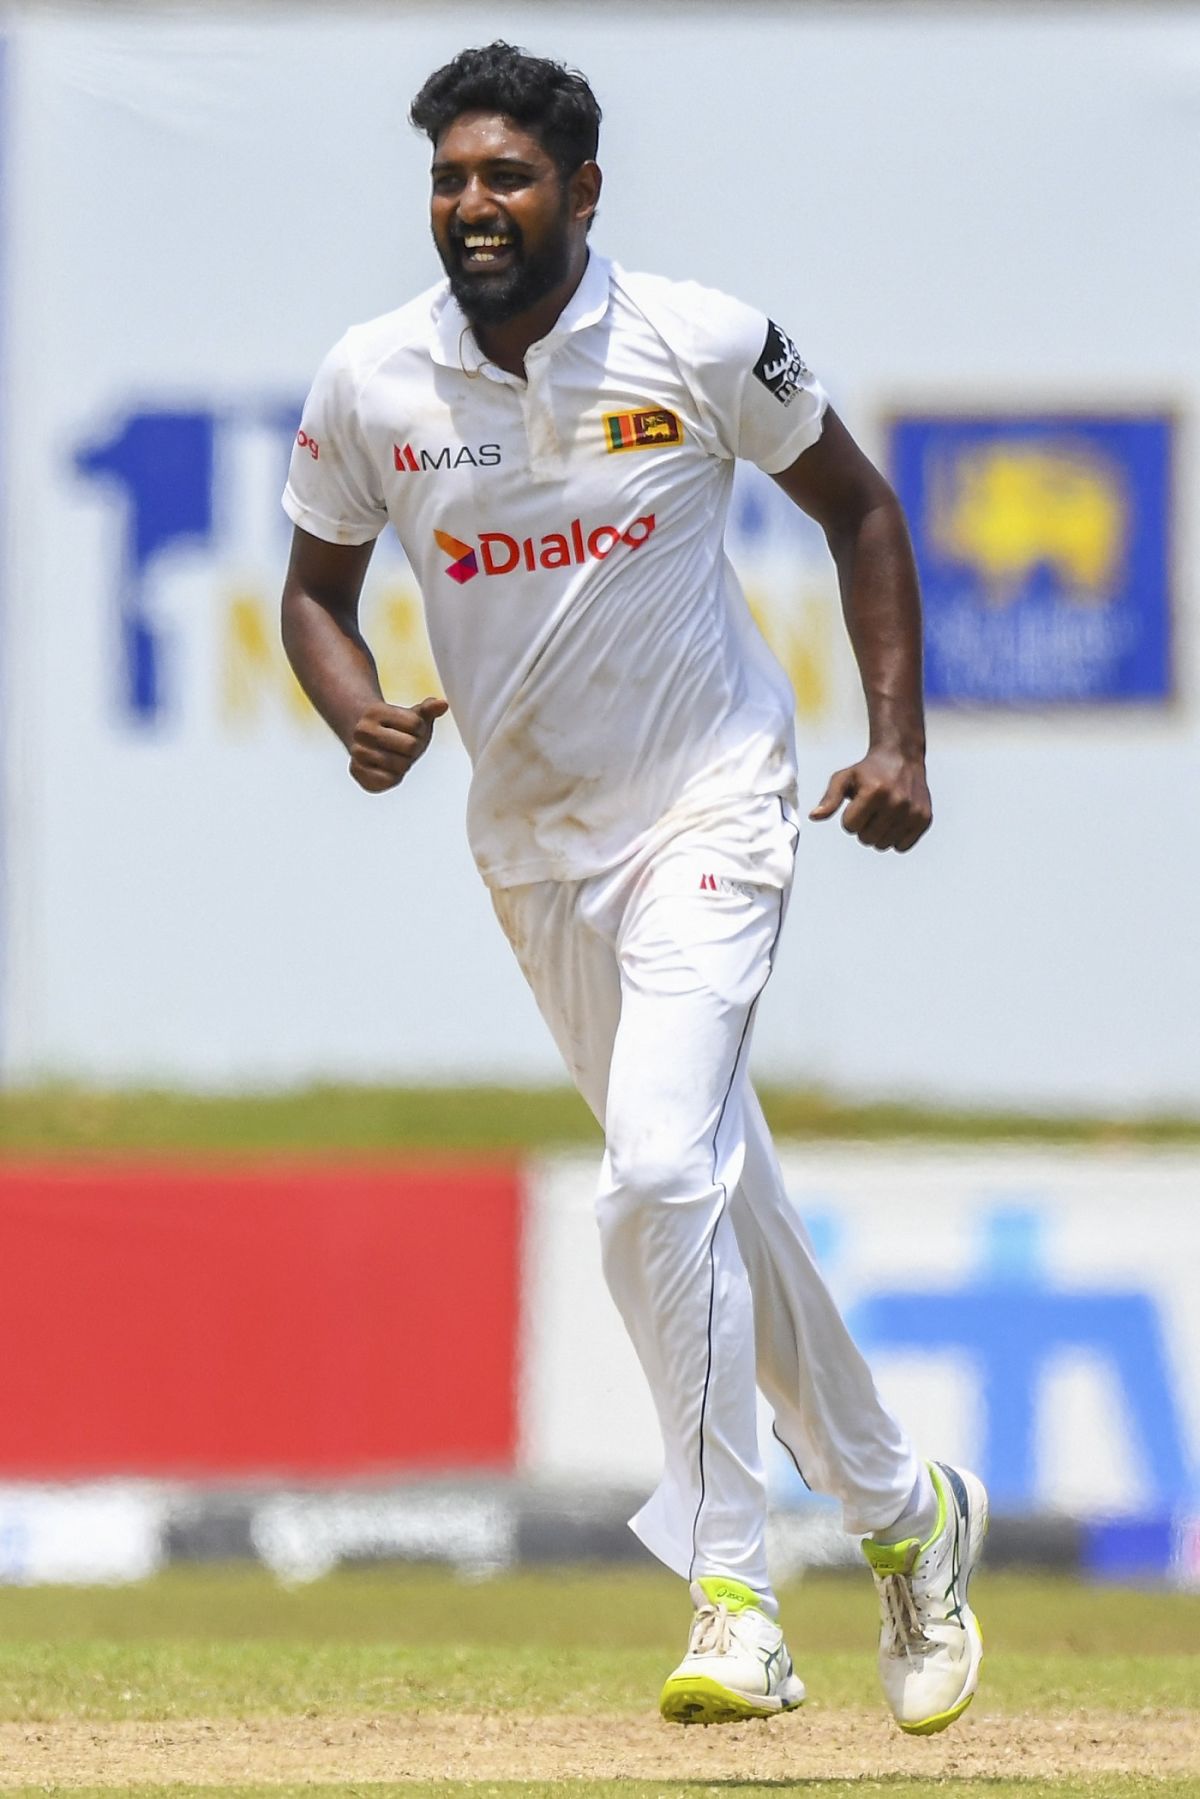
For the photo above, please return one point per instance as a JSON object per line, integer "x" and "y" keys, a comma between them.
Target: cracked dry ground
{"x": 430, "y": 1746}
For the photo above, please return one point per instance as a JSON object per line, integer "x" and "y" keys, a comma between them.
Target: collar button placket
{"x": 545, "y": 451}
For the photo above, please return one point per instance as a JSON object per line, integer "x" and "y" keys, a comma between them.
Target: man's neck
{"x": 506, "y": 343}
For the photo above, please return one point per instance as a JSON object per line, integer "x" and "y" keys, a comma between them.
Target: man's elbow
{"x": 296, "y": 607}
{"x": 869, "y": 508}
{"x": 289, "y": 606}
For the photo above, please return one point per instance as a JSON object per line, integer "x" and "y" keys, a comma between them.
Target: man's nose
{"x": 476, "y": 202}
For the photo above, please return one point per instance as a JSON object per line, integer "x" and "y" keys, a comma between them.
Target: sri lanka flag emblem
{"x": 653, "y": 429}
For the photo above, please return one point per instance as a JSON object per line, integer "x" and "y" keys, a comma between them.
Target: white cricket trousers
{"x": 648, "y": 976}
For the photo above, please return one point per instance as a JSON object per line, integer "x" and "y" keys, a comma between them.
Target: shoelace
{"x": 902, "y": 1616}
{"x": 711, "y": 1632}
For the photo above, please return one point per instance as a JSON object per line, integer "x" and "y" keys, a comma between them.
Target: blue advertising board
{"x": 1012, "y": 1317}
{"x": 1043, "y": 546}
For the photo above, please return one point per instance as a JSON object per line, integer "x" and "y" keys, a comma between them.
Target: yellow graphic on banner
{"x": 256, "y": 680}
{"x": 254, "y": 667}
{"x": 256, "y": 684}
{"x": 1010, "y": 507}
{"x": 395, "y": 626}
{"x": 800, "y": 630}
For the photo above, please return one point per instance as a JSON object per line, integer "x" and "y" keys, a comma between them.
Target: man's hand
{"x": 387, "y": 741}
{"x": 889, "y": 806}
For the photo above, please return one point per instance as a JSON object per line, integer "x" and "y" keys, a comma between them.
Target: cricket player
{"x": 553, "y": 440}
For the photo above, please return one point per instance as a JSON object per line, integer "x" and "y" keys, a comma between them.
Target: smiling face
{"x": 507, "y": 224}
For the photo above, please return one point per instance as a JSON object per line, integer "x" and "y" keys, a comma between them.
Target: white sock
{"x": 918, "y": 1517}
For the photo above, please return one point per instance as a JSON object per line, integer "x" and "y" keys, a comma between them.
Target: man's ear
{"x": 586, "y": 183}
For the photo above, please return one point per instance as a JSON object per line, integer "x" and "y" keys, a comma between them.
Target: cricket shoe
{"x": 930, "y": 1643}
{"x": 737, "y": 1665}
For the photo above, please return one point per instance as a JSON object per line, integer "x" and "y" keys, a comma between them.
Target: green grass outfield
{"x": 441, "y": 1120}
{"x": 397, "y": 1682}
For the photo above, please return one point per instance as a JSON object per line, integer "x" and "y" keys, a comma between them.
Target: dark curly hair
{"x": 546, "y": 97}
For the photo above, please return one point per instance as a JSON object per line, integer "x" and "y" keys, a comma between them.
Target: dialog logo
{"x": 501, "y": 554}
{"x": 464, "y": 564}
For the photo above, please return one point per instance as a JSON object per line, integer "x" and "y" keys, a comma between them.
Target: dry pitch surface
{"x": 224, "y": 1683}
{"x": 487, "y": 1747}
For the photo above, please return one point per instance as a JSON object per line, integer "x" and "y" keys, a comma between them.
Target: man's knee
{"x": 653, "y": 1172}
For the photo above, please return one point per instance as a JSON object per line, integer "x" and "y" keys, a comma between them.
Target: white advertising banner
{"x": 195, "y": 893}
{"x": 1029, "y": 1314}
{"x": 95, "y": 1534}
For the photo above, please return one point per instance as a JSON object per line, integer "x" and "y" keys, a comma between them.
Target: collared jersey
{"x": 567, "y": 534}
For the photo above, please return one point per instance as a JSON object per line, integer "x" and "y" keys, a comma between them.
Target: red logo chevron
{"x": 464, "y": 563}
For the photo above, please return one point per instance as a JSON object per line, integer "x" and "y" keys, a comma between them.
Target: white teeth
{"x": 485, "y": 243}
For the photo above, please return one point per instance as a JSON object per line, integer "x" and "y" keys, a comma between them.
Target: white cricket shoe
{"x": 930, "y": 1644}
{"x": 737, "y": 1665}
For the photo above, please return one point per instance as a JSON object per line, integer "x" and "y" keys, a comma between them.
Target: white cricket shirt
{"x": 567, "y": 534}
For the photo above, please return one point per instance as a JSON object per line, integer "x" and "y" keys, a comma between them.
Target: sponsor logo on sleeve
{"x": 780, "y": 368}
{"x": 499, "y": 554}
{"x": 655, "y": 428}
{"x": 308, "y": 443}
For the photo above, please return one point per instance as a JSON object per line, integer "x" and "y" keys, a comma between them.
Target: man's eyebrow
{"x": 440, "y": 163}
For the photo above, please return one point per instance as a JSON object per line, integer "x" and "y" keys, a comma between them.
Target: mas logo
{"x": 417, "y": 461}
{"x": 1042, "y": 546}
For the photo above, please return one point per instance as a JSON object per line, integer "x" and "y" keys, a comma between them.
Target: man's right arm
{"x": 336, "y": 669}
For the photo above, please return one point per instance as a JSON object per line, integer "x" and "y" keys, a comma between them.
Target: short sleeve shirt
{"x": 567, "y": 534}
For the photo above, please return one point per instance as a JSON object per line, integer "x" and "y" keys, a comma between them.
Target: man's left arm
{"x": 886, "y": 796}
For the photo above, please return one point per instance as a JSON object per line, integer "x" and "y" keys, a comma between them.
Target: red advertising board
{"x": 257, "y": 1319}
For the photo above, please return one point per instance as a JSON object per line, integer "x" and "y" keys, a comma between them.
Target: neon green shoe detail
{"x": 899, "y": 1558}
{"x": 892, "y": 1558}
{"x": 737, "y": 1665}
{"x": 720, "y": 1590}
{"x": 930, "y": 1643}
{"x": 698, "y": 1699}
{"x": 929, "y": 1727}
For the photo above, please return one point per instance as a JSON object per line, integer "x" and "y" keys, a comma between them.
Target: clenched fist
{"x": 388, "y": 740}
{"x": 888, "y": 805}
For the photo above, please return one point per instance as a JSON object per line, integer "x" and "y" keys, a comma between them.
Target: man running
{"x": 553, "y": 440}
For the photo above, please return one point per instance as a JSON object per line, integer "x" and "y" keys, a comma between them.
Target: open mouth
{"x": 486, "y": 250}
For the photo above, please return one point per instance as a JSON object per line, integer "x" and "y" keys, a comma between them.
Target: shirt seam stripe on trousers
{"x": 791, "y": 1453}
{"x": 712, "y": 1263}
{"x": 782, "y": 1441}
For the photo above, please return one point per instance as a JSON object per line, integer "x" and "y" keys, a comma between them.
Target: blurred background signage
{"x": 1043, "y": 542}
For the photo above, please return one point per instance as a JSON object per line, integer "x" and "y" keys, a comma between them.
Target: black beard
{"x": 494, "y": 299}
